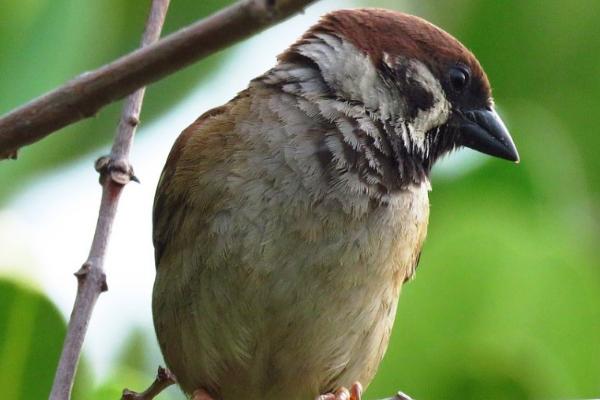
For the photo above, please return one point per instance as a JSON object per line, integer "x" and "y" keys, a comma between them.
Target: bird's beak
{"x": 484, "y": 131}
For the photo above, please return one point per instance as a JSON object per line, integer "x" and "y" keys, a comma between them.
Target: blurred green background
{"x": 506, "y": 302}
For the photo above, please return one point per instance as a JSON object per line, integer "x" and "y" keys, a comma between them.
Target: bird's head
{"x": 427, "y": 90}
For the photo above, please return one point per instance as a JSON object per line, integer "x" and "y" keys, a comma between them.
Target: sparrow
{"x": 287, "y": 220}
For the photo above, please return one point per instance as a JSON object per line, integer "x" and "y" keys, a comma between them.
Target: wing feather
{"x": 199, "y": 149}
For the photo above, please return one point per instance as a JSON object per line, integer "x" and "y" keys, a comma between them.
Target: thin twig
{"x": 115, "y": 173}
{"x": 164, "y": 379}
{"x": 83, "y": 96}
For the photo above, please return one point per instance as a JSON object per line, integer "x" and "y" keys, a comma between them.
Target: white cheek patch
{"x": 351, "y": 72}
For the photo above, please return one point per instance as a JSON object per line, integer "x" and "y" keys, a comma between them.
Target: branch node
{"x": 164, "y": 379}
{"x": 128, "y": 395}
{"x": 83, "y": 272}
{"x": 265, "y": 10}
{"x": 104, "y": 285}
{"x": 165, "y": 375}
{"x": 101, "y": 164}
{"x": 133, "y": 120}
{"x": 119, "y": 171}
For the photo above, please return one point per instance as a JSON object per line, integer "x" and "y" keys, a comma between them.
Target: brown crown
{"x": 379, "y": 31}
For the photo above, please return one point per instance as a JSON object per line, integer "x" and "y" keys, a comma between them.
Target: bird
{"x": 286, "y": 221}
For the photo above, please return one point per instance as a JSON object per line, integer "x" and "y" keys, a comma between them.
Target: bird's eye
{"x": 459, "y": 78}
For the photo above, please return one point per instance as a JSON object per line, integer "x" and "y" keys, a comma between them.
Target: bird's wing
{"x": 200, "y": 150}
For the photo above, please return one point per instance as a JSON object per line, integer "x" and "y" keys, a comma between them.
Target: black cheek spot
{"x": 417, "y": 98}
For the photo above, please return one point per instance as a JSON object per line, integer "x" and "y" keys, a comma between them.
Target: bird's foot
{"x": 201, "y": 395}
{"x": 355, "y": 393}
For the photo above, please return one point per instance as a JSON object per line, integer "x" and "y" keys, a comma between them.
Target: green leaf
{"x": 31, "y": 337}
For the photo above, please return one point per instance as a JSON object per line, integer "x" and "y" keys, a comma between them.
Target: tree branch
{"x": 164, "y": 379}
{"x": 83, "y": 96}
{"x": 115, "y": 173}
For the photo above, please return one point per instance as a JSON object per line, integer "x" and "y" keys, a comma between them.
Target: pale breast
{"x": 333, "y": 301}
{"x": 278, "y": 298}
